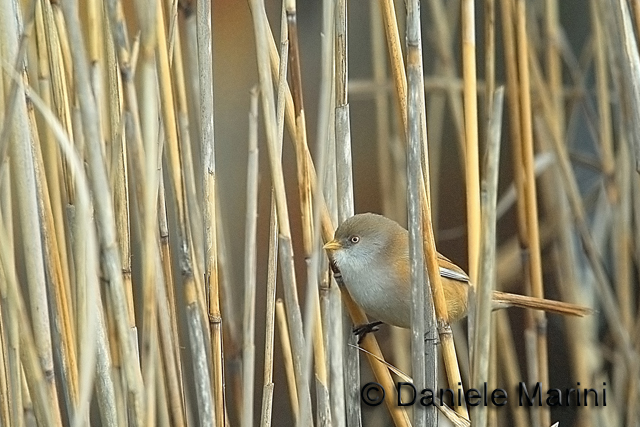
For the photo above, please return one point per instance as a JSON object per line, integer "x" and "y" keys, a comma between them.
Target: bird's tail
{"x": 504, "y": 300}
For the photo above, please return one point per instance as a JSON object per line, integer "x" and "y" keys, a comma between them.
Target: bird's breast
{"x": 381, "y": 295}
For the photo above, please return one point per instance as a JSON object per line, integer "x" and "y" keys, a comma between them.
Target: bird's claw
{"x": 362, "y": 330}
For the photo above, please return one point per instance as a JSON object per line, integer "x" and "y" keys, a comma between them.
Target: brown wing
{"x": 451, "y": 271}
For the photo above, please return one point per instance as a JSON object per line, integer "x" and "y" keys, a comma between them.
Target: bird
{"x": 371, "y": 254}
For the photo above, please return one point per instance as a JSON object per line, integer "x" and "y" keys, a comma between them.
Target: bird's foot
{"x": 362, "y": 330}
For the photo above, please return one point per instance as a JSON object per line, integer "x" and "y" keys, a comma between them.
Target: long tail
{"x": 504, "y": 300}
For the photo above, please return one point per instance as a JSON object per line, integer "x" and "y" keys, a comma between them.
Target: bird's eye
{"x": 354, "y": 239}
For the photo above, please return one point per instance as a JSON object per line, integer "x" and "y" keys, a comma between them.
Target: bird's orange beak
{"x": 333, "y": 245}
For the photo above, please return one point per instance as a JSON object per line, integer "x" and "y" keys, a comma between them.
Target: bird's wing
{"x": 450, "y": 270}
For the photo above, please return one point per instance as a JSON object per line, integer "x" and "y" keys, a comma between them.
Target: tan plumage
{"x": 372, "y": 254}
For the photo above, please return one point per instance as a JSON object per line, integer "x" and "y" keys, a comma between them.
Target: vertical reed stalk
{"x": 472, "y": 165}
{"x": 552, "y": 31}
{"x": 13, "y": 392}
{"x": 338, "y": 335}
{"x": 513, "y": 98}
{"x": 535, "y": 257}
{"x": 149, "y": 126}
{"x": 5, "y": 414}
{"x": 345, "y": 209}
{"x": 489, "y": 64}
{"x": 204, "y": 394}
{"x": 486, "y": 285}
{"x": 184, "y": 136}
{"x": 119, "y": 171}
{"x": 604, "y": 105}
{"x": 423, "y": 362}
{"x": 205, "y": 63}
{"x": 436, "y": 297}
{"x": 287, "y": 355}
{"x": 630, "y": 72}
{"x": 267, "y": 397}
{"x": 395, "y": 54}
{"x": 168, "y": 327}
{"x": 314, "y": 328}
{"x": 105, "y": 387}
{"x": 268, "y": 385}
{"x": 486, "y": 369}
{"x": 176, "y": 166}
{"x": 622, "y": 235}
{"x": 11, "y": 330}
{"x": 161, "y": 396}
{"x": 453, "y": 373}
{"x": 301, "y": 126}
{"x": 249, "y": 311}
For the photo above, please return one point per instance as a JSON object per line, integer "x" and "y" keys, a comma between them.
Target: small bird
{"x": 371, "y": 253}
